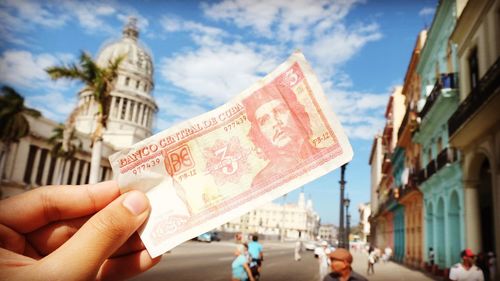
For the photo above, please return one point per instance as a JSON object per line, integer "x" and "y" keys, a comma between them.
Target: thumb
{"x": 83, "y": 254}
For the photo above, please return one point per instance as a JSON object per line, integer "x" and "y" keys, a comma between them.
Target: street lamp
{"x": 348, "y": 222}
{"x": 342, "y": 186}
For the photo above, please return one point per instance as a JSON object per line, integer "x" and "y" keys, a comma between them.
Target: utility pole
{"x": 341, "y": 226}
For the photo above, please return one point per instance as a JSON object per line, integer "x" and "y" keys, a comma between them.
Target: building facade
{"x": 383, "y": 218}
{"x": 274, "y": 221}
{"x": 409, "y": 194}
{"x": 441, "y": 175}
{"x": 364, "y": 222}
{"x": 474, "y": 128}
{"x": 29, "y": 163}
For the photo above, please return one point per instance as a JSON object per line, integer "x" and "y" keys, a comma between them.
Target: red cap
{"x": 468, "y": 253}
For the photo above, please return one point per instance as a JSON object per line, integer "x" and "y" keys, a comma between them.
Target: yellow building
{"x": 475, "y": 126}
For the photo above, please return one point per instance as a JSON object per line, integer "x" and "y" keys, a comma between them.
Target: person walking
{"x": 298, "y": 249}
{"x": 492, "y": 265}
{"x": 240, "y": 268}
{"x": 387, "y": 254}
{"x": 340, "y": 266}
{"x": 466, "y": 270}
{"x": 256, "y": 251}
{"x": 372, "y": 256}
{"x": 323, "y": 260}
{"x": 431, "y": 257}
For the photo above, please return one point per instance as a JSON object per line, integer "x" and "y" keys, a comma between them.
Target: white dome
{"x": 137, "y": 58}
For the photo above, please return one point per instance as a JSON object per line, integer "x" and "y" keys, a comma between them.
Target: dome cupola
{"x": 132, "y": 108}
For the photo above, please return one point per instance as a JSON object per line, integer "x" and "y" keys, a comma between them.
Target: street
{"x": 212, "y": 262}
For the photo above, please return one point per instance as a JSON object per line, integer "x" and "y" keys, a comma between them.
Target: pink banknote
{"x": 274, "y": 137}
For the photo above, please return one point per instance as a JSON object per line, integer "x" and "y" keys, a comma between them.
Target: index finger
{"x": 33, "y": 209}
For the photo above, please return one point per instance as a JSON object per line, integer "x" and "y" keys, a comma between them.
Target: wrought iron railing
{"x": 430, "y": 168}
{"x": 478, "y": 96}
{"x": 446, "y": 156}
{"x": 445, "y": 81}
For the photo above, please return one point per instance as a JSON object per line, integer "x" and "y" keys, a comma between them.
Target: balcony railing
{"x": 446, "y": 156}
{"x": 430, "y": 169}
{"x": 478, "y": 96}
{"x": 446, "y": 81}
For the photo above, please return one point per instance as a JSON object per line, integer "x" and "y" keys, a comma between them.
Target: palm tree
{"x": 100, "y": 82}
{"x": 64, "y": 145}
{"x": 13, "y": 122}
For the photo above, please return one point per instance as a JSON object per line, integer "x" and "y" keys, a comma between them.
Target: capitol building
{"x": 29, "y": 163}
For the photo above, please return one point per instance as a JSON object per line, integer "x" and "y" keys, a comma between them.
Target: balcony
{"x": 446, "y": 156}
{"x": 446, "y": 81}
{"x": 430, "y": 169}
{"x": 478, "y": 96}
{"x": 386, "y": 163}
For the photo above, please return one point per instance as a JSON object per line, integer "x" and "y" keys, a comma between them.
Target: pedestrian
{"x": 482, "y": 263}
{"x": 73, "y": 233}
{"x": 240, "y": 268}
{"x": 466, "y": 270}
{"x": 492, "y": 265}
{"x": 387, "y": 254}
{"x": 431, "y": 257}
{"x": 256, "y": 251}
{"x": 298, "y": 249}
{"x": 372, "y": 257}
{"x": 340, "y": 266}
{"x": 323, "y": 260}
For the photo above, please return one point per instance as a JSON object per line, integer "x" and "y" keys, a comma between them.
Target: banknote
{"x": 272, "y": 138}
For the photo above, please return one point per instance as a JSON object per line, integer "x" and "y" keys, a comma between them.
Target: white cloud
{"x": 216, "y": 74}
{"x": 427, "y": 11}
{"x": 22, "y": 68}
{"x": 53, "y": 105}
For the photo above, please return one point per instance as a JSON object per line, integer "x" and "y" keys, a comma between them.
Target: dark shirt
{"x": 354, "y": 277}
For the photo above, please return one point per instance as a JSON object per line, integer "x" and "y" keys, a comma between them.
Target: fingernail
{"x": 136, "y": 202}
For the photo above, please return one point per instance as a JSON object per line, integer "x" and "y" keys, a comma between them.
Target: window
{"x": 127, "y": 81}
{"x": 439, "y": 144}
{"x": 473, "y": 69}
{"x": 124, "y": 109}
{"x": 137, "y": 84}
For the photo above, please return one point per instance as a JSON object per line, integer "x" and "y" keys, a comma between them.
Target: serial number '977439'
{"x": 151, "y": 163}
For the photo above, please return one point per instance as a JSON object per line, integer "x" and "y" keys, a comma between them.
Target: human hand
{"x": 73, "y": 233}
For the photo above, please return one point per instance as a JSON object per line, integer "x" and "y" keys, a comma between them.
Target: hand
{"x": 73, "y": 233}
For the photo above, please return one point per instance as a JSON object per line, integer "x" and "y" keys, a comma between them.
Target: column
{"x": 67, "y": 165}
{"x": 36, "y": 164}
{"x": 99, "y": 177}
{"x": 127, "y": 110}
{"x": 134, "y": 113}
{"x": 120, "y": 106}
{"x": 472, "y": 216}
{"x": 140, "y": 116}
{"x": 145, "y": 116}
{"x": 76, "y": 169}
{"x": 85, "y": 172}
{"x": 112, "y": 109}
{"x": 46, "y": 169}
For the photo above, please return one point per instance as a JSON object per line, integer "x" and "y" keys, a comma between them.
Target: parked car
{"x": 205, "y": 237}
{"x": 214, "y": 236}
{"x": 310, "y": 245}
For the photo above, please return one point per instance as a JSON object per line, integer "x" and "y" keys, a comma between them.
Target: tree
{"x": 13, "y": 122}
{"x": 64, "y": 145}
{"x": 100, "y": 82}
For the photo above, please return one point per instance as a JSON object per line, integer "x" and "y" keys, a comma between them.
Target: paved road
{"x": 193, "y": 261}
{"x": 212, "y": 262}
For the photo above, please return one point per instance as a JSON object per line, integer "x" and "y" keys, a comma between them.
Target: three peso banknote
{"x": 274, "y": 137}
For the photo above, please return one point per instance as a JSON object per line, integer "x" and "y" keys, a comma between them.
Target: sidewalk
{"x": 387, "y": 271}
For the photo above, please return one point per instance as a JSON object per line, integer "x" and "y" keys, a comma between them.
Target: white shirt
{"x": 459, "y": 273}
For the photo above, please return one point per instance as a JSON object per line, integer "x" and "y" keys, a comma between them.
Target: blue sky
{"x": 206, "y": 52}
